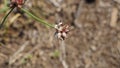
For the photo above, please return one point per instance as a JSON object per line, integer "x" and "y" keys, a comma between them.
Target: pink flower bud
{"x": 17, "y": 3}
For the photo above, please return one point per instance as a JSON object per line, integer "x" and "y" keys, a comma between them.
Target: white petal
{"x": 64, "y": 34}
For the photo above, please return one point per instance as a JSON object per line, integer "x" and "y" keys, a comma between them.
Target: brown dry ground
{"x": 94, "y": 41}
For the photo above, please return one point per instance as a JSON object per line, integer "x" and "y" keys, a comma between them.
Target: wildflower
{"x": 61, "y": 30}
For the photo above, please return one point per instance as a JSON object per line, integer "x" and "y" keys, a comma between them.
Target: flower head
{"x": 61, "y": 30}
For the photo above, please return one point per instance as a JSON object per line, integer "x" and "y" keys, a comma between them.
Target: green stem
{"x": 38, "y": 19}
{"x": 6, "y": 17}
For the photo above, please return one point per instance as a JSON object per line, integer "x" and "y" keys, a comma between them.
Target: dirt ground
{"x": 93, "y": 42}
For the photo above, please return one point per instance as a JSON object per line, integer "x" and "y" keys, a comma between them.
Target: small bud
{"x": 16, "y": 3}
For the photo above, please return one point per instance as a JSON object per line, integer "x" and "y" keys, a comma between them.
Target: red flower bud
{"x": 17, "y": 3}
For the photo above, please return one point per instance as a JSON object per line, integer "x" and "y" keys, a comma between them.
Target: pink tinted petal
{"x": 64, "y": 34}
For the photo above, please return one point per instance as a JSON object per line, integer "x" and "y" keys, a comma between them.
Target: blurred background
{"x": 93, "y": 42}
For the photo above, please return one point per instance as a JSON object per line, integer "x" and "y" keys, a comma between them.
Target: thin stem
{"x": 38, "y": 19}
{"x": 6, "y": 17}
{"x": 63, "y": 54}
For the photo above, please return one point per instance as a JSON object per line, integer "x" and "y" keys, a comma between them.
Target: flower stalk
{"x": 36, "y": 18}
{"x": 5, "y": 17}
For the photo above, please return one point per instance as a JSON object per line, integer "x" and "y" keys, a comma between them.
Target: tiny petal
{"x": 60, "y": 24}
{"x": 59, "y": 35}
{"x": 60, "y": 29}
{"x": 64, "y": 34}
{"x": 56, "y": 26}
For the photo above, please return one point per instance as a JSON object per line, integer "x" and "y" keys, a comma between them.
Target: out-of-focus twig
{"x": 117, "y": 1}
{"x": 56, "y": 3}
{"x": 114, "y": 17}
{"x": 77, "y": 14}
{"x": 15, "y": 17}
{"x": 17, "y": 54}
{"x": 63, "y": 54}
